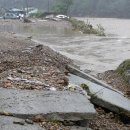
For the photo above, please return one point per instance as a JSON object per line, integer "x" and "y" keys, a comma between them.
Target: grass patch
{"x": 87, "y": 28}
{"x": 86, "y": 88}
{"x": 123, "y": 69}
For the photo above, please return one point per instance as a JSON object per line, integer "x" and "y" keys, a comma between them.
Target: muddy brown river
{"x": 92, "y": 53}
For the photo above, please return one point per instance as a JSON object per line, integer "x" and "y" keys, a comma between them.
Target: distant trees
{"x": 92, "y": 8}
{"x": 62, "y": 6}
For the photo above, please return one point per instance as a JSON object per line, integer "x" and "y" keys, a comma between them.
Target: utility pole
{"x": 26, "y": 6}
{"x": 48, "y": 5}
{"x": 4, "y": 4}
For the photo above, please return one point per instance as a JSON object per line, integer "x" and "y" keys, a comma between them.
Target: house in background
{"x": 14, "y": 14}
{"x": 17, "y": 12}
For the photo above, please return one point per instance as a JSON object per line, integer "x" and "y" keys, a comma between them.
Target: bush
{"x": 101, "y": 30}
{"x": 39, "y": 14}
{"x": 87, "y": 28}
{"x": 124, "y": 70}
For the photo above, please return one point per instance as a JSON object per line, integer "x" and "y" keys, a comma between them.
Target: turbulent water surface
{"x": 94, "y": 54}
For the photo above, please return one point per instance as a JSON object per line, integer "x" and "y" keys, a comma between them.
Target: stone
{"x": 19, "y": 122}
{"x": 53, "y": 105}
{"x": 12, "y": 123}
{"x": 104, "y": 97}
{"x": 29, "y": 121}
{"x": 83, "y": 123}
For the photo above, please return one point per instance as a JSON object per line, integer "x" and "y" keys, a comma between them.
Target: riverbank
{"x": 25, "y": 65}
{"x": 20, "y": 57}
{"x": 93, "y": 54}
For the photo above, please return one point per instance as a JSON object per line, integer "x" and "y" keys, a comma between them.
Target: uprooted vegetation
{"x": 87, "y": 28}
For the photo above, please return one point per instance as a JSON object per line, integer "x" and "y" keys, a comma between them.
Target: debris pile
{"x": 35, "y": 77}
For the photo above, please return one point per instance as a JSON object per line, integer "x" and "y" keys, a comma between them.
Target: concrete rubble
{"x": 88, "y": 77}
{"x": 53, "y": 105}
{"x": 103, "y": 96}
{"x": 12, "y": 123}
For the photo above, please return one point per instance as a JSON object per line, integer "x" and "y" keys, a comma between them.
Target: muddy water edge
{"x": 92, "y": 53}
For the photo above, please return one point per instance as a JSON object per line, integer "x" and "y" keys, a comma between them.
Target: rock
{"x": 83, "y": 123}
{"x": 38, "y": 118}
{"x": 60, "y": 81}
{"x": 26, "y": 20}
{"x": 54, "y": 105}
{"x": 12, "y": 123}
{"x": 128, "y": 93}
{"x": 68, "y": 123}
{"x": 52, "y": 89}
{"x": 19, "y": 122}
{"x": 29, "y": 121}
{"x": 109, "y": 82}
{"x": 104, "y": 97}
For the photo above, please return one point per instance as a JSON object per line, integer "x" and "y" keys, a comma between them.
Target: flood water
{"x": 94, "y": 54}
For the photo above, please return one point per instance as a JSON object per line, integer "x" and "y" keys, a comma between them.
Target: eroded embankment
{"x": 46, "y": 99}
{"x": 38, "y": 67}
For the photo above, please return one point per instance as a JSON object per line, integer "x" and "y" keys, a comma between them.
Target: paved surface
{"x": 7, "y": 123}
{"x": 109, "y": 99}
{"x": 55, "y": 105}
{"x": 90, "y": 78}
{"x": 105, "y": 97}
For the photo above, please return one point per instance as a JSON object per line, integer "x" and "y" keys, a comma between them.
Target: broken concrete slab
{"x": 104, "y": 97}
{"x": 11, "y": 123}
{"x": 54, "y": 105}
{"x": 88, "y": 77}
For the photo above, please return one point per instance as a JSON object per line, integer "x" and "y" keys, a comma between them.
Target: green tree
{"x": 63, "y": 6}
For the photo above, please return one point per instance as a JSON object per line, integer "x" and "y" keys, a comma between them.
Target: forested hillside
{"x": 95, "y": 8}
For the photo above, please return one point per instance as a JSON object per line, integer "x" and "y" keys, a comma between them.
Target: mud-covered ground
{"x": 9, "y": 42}
{"x": 26, "y": 65}
{"x": 114, "y": 79}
